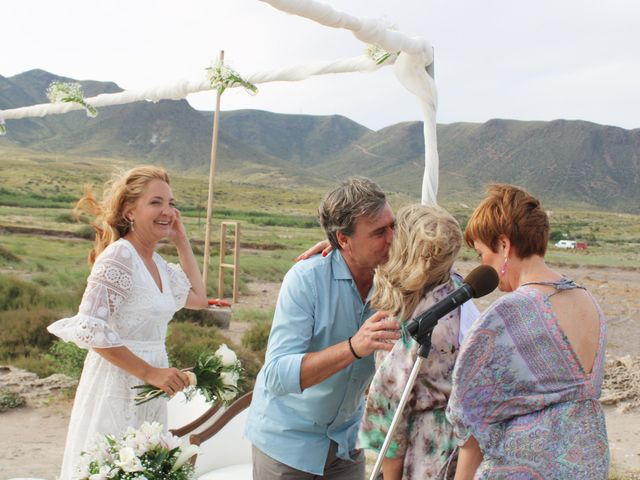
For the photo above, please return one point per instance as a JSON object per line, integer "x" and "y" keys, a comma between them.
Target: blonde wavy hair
{"x": 120, "y": 194}
{"x": 426, "y": 242}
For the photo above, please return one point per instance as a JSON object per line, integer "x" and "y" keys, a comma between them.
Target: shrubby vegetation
{"x": 42, "y": 277}
{"x": 257, "y": 337}
{"x": 10, "y": 400}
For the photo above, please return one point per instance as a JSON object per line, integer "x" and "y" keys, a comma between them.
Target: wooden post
{"x": 212, "y": 173}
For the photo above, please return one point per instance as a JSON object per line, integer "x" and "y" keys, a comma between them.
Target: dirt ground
{"x": 32, "y": 438}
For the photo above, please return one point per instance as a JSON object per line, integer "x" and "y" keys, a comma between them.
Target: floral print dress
{"x": 423, "y": 436}
{"x": 520, "y": 390}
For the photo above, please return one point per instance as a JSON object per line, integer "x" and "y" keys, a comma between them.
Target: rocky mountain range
{"x": 562, "y": 161}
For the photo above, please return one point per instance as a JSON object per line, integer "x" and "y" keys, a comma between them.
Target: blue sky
{"x": 543, "y": 60}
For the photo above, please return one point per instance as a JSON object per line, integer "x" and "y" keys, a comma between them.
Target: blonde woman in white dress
{"x": 131, "y": 295}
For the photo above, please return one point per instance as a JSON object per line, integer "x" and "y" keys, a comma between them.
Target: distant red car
{"x": 581, "y": 245}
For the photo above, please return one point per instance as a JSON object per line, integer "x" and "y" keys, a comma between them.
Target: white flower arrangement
{"x": 378, "y": 54}
{"x": 148, "y": 453}
{"x": 70, "y": 92}
{"x": 216, "y": 376}
{"x": 222, "y": 76}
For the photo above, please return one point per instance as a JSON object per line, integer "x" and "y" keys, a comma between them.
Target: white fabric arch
{"x": 415, "y": 55}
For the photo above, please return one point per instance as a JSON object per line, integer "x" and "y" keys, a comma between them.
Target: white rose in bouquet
{"x": 227, "y": 356}
{"x": 230, "y": 378}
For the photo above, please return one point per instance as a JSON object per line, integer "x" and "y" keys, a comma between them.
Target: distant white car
{"x": 566, "y": 244}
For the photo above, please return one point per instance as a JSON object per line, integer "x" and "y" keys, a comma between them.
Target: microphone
{"x": 481, "y": 281}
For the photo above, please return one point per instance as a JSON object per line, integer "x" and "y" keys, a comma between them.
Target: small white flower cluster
{"x": 222, "y": 76}
{"x": 377, "y": 54}
{"x": 69, "y": 92}
{"x": 124, "y": 457}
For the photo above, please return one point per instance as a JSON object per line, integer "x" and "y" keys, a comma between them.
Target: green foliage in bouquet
{"x": 215, "y": 375}
{"x": 147, "y": 453}
{"x": 218, "y": 375}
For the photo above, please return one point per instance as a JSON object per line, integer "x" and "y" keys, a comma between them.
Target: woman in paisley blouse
{"x": 527, "y": 381}
{"x": 131, "y": 295}
{"x": 417, "y": 275}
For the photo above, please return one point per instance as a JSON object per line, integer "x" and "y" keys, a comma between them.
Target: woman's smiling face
{"x": 154, "y": 212}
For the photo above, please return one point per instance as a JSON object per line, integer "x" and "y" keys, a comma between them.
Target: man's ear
{"x": 343, "y": 240}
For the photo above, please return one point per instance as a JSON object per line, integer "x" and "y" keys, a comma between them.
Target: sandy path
{"x": 32, "y": 441}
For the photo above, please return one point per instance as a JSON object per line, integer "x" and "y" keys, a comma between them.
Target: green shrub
{"x": 186, "y": 341}
{"x": 70, "y": 217}
{"x": 257, "y": 337}
{"x": 24, "y": 332}
{"x": 16, "y": 293}
{"x": 253, "y": 315}
{"x": 87, "y": 232}
{"x": 7, "y": 255}
{"x": 35, "y": 362}
{"x": 9, "y": 400}
{"x": 200, "y": 317}
{"x": 556, "y": 235}
{"x": 67, "y": 217}
{"x": 67, "y": 358}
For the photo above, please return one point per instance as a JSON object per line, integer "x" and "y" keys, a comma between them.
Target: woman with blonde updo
{"x": 417, "y": 275}
{"x": 131, "y": 295}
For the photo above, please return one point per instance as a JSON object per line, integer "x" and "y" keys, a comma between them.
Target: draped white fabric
{"x": 416, "y": 55}
{"x": 181, "y": 89}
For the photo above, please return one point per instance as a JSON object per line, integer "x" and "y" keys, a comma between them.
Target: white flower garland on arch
{"x": 410, "y": 64}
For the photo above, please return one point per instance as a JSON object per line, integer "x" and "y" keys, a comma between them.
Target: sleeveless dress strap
{"x": 560, "y": 285}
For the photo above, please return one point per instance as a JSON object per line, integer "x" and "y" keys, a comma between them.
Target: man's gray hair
{"x": 339, "y": 209}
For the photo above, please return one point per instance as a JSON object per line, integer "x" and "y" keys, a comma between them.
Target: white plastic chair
{"x": 190, "y": 416}
{"x": 224, "y": 452}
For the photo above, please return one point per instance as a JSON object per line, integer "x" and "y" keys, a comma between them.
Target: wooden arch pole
{"x": 212, "y": 174}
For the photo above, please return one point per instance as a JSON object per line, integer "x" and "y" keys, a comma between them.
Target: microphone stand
{"x": 424, "y": 340}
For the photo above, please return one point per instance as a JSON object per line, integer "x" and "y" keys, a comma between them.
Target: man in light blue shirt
{"x": 309, "y": 396}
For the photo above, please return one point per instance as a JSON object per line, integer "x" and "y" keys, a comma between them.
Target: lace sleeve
{"x": 108, "y": 286}
{"x": 180, "y": 284}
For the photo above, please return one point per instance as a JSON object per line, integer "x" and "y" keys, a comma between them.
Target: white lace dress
{"x": 122, "y": 305}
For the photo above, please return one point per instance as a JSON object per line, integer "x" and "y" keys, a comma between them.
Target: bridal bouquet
{"x": 147, "y": 453}
{"x": 215, "y": 376}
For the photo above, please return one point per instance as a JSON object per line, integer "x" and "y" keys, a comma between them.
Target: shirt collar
{"x": 339, "y": 266}
{"x": 341, "y": 272}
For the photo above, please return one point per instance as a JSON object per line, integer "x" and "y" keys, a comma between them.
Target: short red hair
{"x": 513, "y": 212}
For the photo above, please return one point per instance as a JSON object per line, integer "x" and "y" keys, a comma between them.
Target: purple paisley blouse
{"x": 520, "y": 390}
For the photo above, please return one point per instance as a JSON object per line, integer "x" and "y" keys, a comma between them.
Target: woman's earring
{"x": 131, "y": 224}
{"x": 503, "y": 269}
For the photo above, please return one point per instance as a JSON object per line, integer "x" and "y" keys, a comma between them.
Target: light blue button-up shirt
{"x": 318, "y": 306}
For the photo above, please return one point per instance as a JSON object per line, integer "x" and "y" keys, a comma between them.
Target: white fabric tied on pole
{"x": 416, "y": 55}
{"x": 181, "y": 89}
{"x": 410, "y": 69}
{"x": 367, "y": 30}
